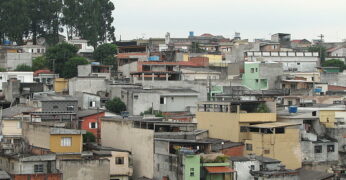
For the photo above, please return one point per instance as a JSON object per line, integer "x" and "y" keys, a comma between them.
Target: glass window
{"x": 66, "y": 141}
{"x": 119, "y": 160}
{"x": 38, "y": 168}
{"x": 93, "y": 125}
{"x": 318, "y": 149}
{"x": 162, "y": 100}
{"x": 330, "y": 148}
{"x": 252, "y": 70}
{"x": 192, "y": 171}
{"x": 249, "y": 147}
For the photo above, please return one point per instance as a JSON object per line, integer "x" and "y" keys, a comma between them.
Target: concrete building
{"x": 24, "y": 77}
{"x": 83, "y": 45}
{"x": 275, "y": 140}
{"x": 94, "y": 70}
{"x": 223, "y": 120}
{"x": 291, "y": 61}
{"x": 192, "y": 74}
{"x": 262, "y": 75}
{"x": 60, "y": 85}
{"x": 91, "y": 85}
{"x": 55, "y": 103}
{"x": 46, "y": 77}
{"x": 243, "y": 166}
{"x": 35, "y": 50}
{"x": 88, "y": 100}
{"x": 10, "y": 59}
{"x": 162, "y": 100}
{"x": 139, "y": 141}
{"x": 90, "y": 121}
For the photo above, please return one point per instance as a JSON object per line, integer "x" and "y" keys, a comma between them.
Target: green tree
{"x": 195, "y": 48}
{"x": 115, "y": 105}
{"x": 320, "y": 49}
{"x": 58, "y": 55}
{"x": 334, "y": 63}
{"x": 14, "y": 20}
{"x": 23, "y": 67}
{"x": 89, "y": 137}
{"x": 39, "y": 63}
{"x": 90, "y": 19}
{"x": 2, "y": 69}
{"x": 71, "y": 66}
{"x": 105, "y": 54}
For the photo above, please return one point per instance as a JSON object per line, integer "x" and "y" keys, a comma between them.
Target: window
{"x": 298, "y": 63}
{"x": 249, "y": 147}
{"x": 93, "y": 125}
{"x": 119, "y": 160}
{"x": 318, "y": 149}
{"x": 19, "y": 125}
{"x": 330, "y": 148}
{"x": 135, "y": 97}
{"x": 66, "y": 141}
{"x": 92, "y": 104}
{"x": 38, "y": 50}
{"x": 12, "y": 166}
{"x": 162, "y": 100}
{"x": 252, "y": 70}
{"x": 266, "y": 151}
{"x": 70, "y": 108}
{"x": 279, "y": 130}
{"x": 55, "y": 107}
{"x": 256, "y": 80}
{"x": 252, "y": 167}
{"x": 243, "y": 129}
{"x": 312, "y": 79}
{"x": 38, "y": 168}
{"x": 192, "y": 171}
{"x": 256, "y": 69}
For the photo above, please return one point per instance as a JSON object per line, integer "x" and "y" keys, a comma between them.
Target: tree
{"x": 71, "y": 66}
{"x": 2, "y": 69}
{"x": 195, "y": 48}
{"x": 88, "y": 137}
{"x": 105, "y": 53}
{"x": 115, "y": 105}
{"x": 39, "y": 63}
{"x": 14, "y": 20}
{"x": 58, "y": 55}
{"x": 320, "y": 49}
{"x": 334, "y": 63}
{"x": 89, "y": 19}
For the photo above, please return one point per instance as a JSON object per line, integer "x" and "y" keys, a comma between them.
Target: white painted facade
{"x": 24, "y": 77}
{"x": 243, "y": 169}
{"x": 82, "y": 44}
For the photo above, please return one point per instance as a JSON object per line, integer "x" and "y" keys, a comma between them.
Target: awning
{"x": 219, "y": 169}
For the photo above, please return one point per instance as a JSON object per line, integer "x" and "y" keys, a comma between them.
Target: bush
{"x": 262, "y": 108}
{"x": 115, "y": 105}
{"x": 23, "y": 67}
{"x": 89, "y": 137}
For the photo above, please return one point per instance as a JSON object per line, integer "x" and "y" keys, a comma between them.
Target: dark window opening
{"x": 330, "y": 148}
{"x": 38, "y": 168}
{"x": 119, "y": 160}
{"x": 248, "y": 147}
{"x": 280, "y": 131}
{"x": 318, "y": 149}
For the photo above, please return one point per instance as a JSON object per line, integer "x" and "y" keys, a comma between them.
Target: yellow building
{"x": 330, "y": 118}
{"x": 11, "y": 127}
{"x": 60, "y": 85}
{"x": 66, "y": 140}
{"x": 275, "y": 140}
{"x": 224, "y": 119}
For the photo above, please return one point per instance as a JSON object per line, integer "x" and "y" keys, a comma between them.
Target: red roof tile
{"x": 219, "y": 169}
{"x": 42, "y": 71}
{"x": 336, "y": 88}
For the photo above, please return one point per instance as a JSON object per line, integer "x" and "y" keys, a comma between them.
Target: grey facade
{"x": 273, "y": 73}
{"x": 11, "y": 60}
{"x": 88, "y": 100}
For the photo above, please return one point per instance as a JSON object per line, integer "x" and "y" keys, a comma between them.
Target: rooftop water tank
{"x": 293, "y": 109}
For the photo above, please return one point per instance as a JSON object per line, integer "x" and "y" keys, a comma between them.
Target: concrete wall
{"x": 24, "y": 77}
{"x": 139, "y": 141}
{"x": 11, "y": 127}
{"x": 115, "y": 89}
{"x": 338, "y": 134}
{"x": 59, "y": 106}
{"x": 10, "y": 61}
{"x": 85, "y": 99}
{"x": 89, "y": 85}
{"x": 37, "y": 135}
{"x": 84, "y": 169}
{"x": 178, "y": 103}
{"x": 309, "y": 154}
{"x": 120, "y": 169}
{"x": 334, "y": 78}
{"x": 25, "y": 167}
{"x": 272, "y": 72}
{"x": 60, "y": 84}
{"x": 126, "y": 69}
{"x": 84, "y": 70}
{"x": 243, "y": 169}
{"x": 285, "y": 147}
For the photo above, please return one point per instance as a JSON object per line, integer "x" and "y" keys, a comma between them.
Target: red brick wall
{"x": 93, "y": 118}
{"x": 234, "y": 151}
{"x": 37, "y": 177}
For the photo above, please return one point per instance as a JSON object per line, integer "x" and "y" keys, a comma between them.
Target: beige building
{"x": 11, "y": 127}
{"x": 275, "y": 140}
{"x": 224, "y": 119}
{"x": 139, "y": 141}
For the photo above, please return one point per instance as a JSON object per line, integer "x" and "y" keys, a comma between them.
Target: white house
{"x": 26, "y": 77}
{"x": 83, "y": 45}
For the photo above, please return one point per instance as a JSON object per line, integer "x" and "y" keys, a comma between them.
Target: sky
{"x": 252, "y": 18}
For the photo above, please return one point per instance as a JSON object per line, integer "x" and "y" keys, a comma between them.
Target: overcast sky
{"x": 252, "y": 18}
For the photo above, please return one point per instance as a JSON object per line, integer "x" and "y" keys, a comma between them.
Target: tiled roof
{"x": 219, "y": 169}
{"x": 336, "y": 88}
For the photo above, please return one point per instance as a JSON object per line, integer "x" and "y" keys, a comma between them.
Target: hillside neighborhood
{"x": 196, "y": 107}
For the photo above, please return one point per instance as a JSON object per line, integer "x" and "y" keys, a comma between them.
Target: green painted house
{"x": 192, "y": 164}
{"x": 262, "y": 75}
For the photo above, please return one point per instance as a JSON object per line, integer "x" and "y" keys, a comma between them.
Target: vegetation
{"x": 334, "y": 63}
{"x": 195, "y": 48}
{"x": 115, "y": 105}
{"x": 90, "y": 20}
{"x": 71, "y": 66}
{"x": 320, "y": 49}
{"x": 150, "y": 111}
{"x": 39, "y": 63}
{"x": 23, "y": 67}
{"x": 262, "y": 108}
{"x": 218, "y": 159}
{"x": 89, "y": 137}
{"x": 2, "y": 69}
{"x": 105, "y": 54}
